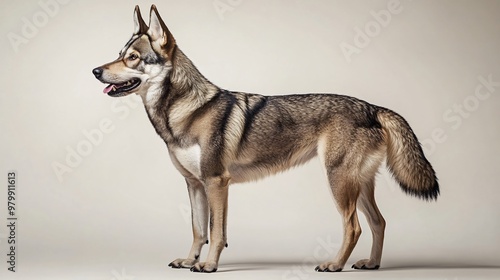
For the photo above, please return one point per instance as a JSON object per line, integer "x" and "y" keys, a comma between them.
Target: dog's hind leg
{"x": 345, "y": 192}
{"x": 341, "y": 170}
{"x": 367, "y": 205}
{"x": 199, "y": 215}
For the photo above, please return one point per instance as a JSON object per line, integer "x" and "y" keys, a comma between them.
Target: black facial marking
{"x": 129, "y": 43}
{"x": 151, "y": 59}
{"x": 144, "y": 46}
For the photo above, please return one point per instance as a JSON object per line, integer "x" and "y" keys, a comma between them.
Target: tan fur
{"x": 217, "y": 137}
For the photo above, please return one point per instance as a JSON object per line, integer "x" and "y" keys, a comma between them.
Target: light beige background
{"x": 123, "y": 211}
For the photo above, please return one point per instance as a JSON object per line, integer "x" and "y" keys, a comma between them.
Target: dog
{"x": 217, "y": 137}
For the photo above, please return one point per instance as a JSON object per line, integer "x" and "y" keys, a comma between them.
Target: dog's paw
{"x": 366, "y": 264}
{"x": 204, "y": 267}
{"x": 329, "y": 267}
{"x": 183, "y": 263}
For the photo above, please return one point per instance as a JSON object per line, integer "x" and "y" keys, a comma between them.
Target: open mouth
{"x": 116, "y": 89}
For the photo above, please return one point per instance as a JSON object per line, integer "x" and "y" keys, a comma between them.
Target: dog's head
{"x": 143, "y": 62}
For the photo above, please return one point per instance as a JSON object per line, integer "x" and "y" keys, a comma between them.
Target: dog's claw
{"x": 327, "y": 269}
{"x": 318, "y": 269}
{"x": 201, "y": 269}
{"x": 371, "y": 268}
{"x": 365, "y": 267}
{"x": 173, "y": 265}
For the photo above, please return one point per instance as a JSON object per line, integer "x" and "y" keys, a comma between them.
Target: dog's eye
{"x": 132, "y": 56}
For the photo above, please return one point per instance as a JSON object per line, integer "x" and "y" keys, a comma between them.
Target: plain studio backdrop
{"x": 97, "y": 196}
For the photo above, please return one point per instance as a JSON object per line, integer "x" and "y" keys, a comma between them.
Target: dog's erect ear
{"x": 158, "y": 31}
{"x": 140, "y": 26}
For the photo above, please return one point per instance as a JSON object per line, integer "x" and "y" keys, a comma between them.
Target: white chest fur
{"x": 189, "y": 158}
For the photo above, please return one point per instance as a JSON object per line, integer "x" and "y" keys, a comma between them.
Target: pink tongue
{"x": 108, "y": 88}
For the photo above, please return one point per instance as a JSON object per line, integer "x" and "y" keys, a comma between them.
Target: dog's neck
{"x": 183, "y": 90}
{"x": 185, "y": 77}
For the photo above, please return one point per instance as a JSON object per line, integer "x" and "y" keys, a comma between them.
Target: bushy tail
{"x": 405, "y": 158}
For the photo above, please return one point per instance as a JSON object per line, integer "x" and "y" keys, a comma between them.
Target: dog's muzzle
{"x": 116, "y": 89}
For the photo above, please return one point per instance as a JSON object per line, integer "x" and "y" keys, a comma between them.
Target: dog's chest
{"x": 189, "y": 158}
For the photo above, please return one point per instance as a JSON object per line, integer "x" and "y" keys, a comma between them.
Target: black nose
{"x": 97, "y": 72}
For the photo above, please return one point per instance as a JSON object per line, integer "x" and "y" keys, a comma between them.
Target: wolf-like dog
{"x": 217, "y": 137}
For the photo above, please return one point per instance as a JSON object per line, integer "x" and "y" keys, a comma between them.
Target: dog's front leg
{"x": 217, "y": 194}
{"x": 199, "y": 214}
